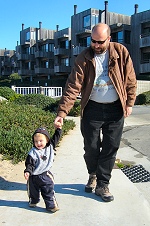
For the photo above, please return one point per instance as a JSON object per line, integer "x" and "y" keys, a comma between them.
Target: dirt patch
{"x": 10, "y": 172}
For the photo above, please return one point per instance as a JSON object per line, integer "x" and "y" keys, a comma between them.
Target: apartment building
{"x": 140, "y": 40}
{"x": 8, "y": 63}
{"x": 62, "y": 52}
{"x": 44, "y": 54}
{"x": 82, "y": 24}
{"x": 36, "y": 53}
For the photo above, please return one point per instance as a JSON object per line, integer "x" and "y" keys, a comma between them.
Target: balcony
{"x": 26, "y": 72}
{"x": 39, "y": 70}
{"x": 61, "y": 51}
{"x": 144, "y": 41}
{"x": 30, "y": 42}
{"x": 62, "y": 69}
{"x": 24, "y": 56}
{"x": 78, "y": 49}
{"x": 7, "y": 63}
{"x": 7, "y": 73}
{"x": 84, "y": 31}
{"x": 145, "y": 67}
{"x": 41, "y": 54}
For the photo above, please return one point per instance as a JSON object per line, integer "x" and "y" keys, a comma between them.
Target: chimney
{"x": 57, "y": 27}
{"x": 106, "y": 10}
{"x": 22, "y": 27}
{"x": 75, "y": 9}
{"x": 40, "y": 25}
{"x": 136, "y": 8}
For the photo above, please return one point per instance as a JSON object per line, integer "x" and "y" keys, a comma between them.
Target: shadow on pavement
{"x": 11, "y": 185}
{"x": 20, "y": 204}
{"x": 75, "y": 189}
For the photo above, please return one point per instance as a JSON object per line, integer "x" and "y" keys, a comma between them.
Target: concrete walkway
{"x": 77, "y": 208}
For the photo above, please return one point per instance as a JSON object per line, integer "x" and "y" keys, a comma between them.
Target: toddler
{"x": 38, "y": 164}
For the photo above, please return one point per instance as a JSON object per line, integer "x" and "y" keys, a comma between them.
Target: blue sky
{"x": 51, "y": 12}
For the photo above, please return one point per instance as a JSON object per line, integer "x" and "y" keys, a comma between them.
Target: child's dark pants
{"x": 44, "y": 183}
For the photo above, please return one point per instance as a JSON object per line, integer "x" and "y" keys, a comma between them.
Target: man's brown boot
{"x": 103, "y": 191}
{"x": 90, "y": 186}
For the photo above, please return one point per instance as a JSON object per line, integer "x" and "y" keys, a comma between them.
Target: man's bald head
{"x": 101, "y": 28}
{"x": 100, "y": 38}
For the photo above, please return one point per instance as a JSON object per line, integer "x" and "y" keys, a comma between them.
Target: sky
{"x": 14, "y": 13}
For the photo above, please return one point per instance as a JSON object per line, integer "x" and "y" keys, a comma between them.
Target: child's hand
{"x": 26, "y": 175}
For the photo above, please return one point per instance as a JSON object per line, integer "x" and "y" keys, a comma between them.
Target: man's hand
{"x": 128, "y": 111}
{"x": 58, "y": 123}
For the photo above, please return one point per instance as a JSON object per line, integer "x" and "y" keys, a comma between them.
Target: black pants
{"x": 43, "y": 183}
{"x": 101, "y": 148}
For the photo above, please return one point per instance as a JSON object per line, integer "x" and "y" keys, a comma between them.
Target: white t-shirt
{"x": 103, "y": 90}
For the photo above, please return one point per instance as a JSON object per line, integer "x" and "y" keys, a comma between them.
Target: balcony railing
{"x": 145, "y": 67}
{"x": 39, "y": 70}
{"x": 25, "y": 56}
{"x": 53, "y": 92}
{"x": 62, "y": 68}
{"x": 145, "y": 41}
{"x": 61, "y": 51}
{"x": 25, "y": 72}
{"x": 78, "y": 49}
{"x": 42, "y": 54}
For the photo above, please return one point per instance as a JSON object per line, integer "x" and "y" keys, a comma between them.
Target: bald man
{"x": 104, "y": 75}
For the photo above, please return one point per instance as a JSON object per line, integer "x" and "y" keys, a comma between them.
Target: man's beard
{"x": 99, "y": 50}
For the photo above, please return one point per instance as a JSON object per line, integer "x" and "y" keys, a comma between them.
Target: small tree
{"x": 15, "y": 76}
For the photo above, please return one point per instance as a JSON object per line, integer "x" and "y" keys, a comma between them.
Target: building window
{"x": 46, "y": 64}
{"x": 88, "y": 41}
{"x": 145, "y": 29}
{"x": 51, "y": 47}
{"x": 51, "y": 63}
{"x": 114, "y": 37}
{"x": 26, "y": 50}
{"x": 87, "y": 21}
{"x": 33, "y": 35}
{"x": 67, "y": 44}
{"x": 64, "y": 44}
{"x": 27, "y": 65}
{"x": 65, "y": 61}
{"x": 28, "y": 36}
{"x": 120, "y": 36}
{"x": 32, "y": 65}
{"x": 85, "y": 42}
{"x": 46, "y": 48}
{"x": 145, "y": 56}
{"x": 117, "y": 37}
{"x": 32, "y": 49}
{"x": 94, "y": 20}
{"x": 127, "y": 36}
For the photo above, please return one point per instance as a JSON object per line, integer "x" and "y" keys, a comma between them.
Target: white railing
{"x": 53, "y": 92}
{"x": 142, "y": 86}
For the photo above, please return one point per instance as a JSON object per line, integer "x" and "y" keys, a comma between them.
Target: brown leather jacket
{"x": 81, "y": 79}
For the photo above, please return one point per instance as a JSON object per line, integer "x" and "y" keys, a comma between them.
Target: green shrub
{"x": 18, "y": 123}
{"x": 46, "y": 103}
{"x": 7, "y": 92}
{"x": 75, "y": 111}
{"x": 21, "y": 116}
{"x": 15, "y": 76}
{"x": 143, "y": 98}
{"x": 37, "y": 100}
{"x": 15, "y": 96}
